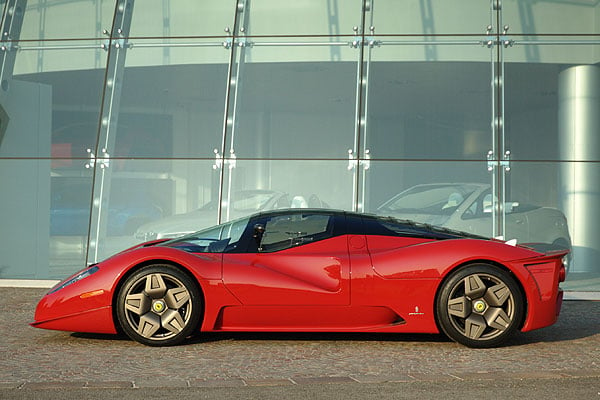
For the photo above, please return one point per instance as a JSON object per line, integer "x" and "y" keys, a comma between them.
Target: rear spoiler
{"x": 548, "y": 249}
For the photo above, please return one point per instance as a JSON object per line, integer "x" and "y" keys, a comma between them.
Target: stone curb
{"x": 355, "y": 379}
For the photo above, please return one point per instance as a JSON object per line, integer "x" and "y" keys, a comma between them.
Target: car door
{"x": 296, "y": 259}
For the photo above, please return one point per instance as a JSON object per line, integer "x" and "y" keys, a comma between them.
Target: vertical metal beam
{"x": 12, "y": 21}
{"x": 107, "y": 131}
{"x": 240, "y": 30}
{"x": 359, "y": 117}
{"x": 497, "y": 120}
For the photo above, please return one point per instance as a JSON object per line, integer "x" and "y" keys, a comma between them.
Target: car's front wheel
{"x": 159, "y": 305}
{"x": 480, "y": 306}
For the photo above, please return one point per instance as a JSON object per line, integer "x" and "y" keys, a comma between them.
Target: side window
{"x": 285, "y": 231}
{"x": 482, "y": 207}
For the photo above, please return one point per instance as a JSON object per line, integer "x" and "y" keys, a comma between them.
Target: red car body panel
{"x": 345, "y": 283}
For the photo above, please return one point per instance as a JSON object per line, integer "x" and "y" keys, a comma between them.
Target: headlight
{"x": 82, "y": 275}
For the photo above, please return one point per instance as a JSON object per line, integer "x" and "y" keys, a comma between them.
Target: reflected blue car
{"x": 70, "y": 211}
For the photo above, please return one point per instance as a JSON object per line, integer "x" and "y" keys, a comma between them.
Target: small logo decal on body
{"x": 416, "y": 312}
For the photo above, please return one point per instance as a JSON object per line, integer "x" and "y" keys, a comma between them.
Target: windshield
{"x": 217, "y": 239}
{"x": 430, "y": 199}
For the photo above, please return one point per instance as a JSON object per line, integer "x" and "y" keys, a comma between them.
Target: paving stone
{"x": 109, "y": 385}
{"x": 268, "y": 382}
{"x": 53, "y": 385}
{"x": 323, "y": 379}
{"x": 590, "y": 373}
{"x": 10, "y": 385}
{"x": 160, "y": 383}
{"x": 432, "y": 377}
{"x": 217, "y": 383}
{"x": 382, "y": 378}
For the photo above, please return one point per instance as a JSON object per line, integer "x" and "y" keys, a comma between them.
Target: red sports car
{"x": 313, "y": 270}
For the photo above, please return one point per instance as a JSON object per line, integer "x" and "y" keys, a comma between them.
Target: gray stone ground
{"x": 34, "y": 359}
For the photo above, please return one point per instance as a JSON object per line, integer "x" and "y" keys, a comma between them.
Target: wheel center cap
{"x": 158, "y": 306}
{"x": 479, "y": 306}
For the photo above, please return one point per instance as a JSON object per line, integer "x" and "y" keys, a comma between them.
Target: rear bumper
{"x": 543, "y": 313}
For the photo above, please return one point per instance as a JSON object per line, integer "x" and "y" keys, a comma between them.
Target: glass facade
{"x": 122, "y": 120}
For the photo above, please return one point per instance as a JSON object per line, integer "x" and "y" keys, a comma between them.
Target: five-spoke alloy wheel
{"x": 480, "y": 306}
{"x": 159, "y": 305}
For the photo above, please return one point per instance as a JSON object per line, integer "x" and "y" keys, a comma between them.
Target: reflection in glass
{"x": 25, "y": 226}
{"x": 70, "y": 197}
{"x": 426, "y": 192}
{"x": 436, "y": 109}
{"x": 50, "y": 116}
{"x": 293, "y": 184}
{"x": 76, "y": 19}
{"x": 551, "y": 17}
{"x": 537, "y": 105}
{"x": 429, "y": 17}
{"x": 159, "y": 18}
{"x": 308, "y": 17}
{"x": 300, "y": 109}
{"x": 154, "y": 199}
{"x": 173, "y": 107}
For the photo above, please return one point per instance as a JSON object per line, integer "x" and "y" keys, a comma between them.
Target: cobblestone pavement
{"x": 40, "y": 359}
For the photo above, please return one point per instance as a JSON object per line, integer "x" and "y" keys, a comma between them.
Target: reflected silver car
{"x": 242, "y": 203}
{"x": 468, "y": 207}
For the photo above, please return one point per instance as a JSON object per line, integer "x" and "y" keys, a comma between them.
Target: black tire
{"x": 159, "y": 305}
{"x": 480, "y": 306}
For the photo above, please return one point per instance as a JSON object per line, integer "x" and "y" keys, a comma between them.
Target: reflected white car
{"x": 468, "y": 207}
{"x": 243, "y": 203}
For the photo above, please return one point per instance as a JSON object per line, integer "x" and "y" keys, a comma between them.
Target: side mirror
{"x": 259, "y": 231}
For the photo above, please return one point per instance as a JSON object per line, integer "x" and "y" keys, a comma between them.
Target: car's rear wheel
{"x": 159, "y": 305}
{"x": 480, "y": 306}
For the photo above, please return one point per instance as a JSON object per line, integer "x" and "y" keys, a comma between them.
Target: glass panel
{"x": 159, "y": 18}
{"x": 563, "y": 212}
{"x": 49, "y": 115}
{"x": 152, "y": 199}
{"x": 45, "y": 219}
{"x": 301, "y": 17}
{"x": 551, "y": 17}
{"x": 427, "y": 192}
{"x": 70, "y": 197}
{"x": 551, "y": 101}
{"x": 289, "y": 183}
{"x": 429, "y": 17}
{"x": 423, "y": 107}
{"x": 75, "y": 19}
{"x": 294, "y": 102}
{"x": 172, "y": 100}
{"x": 24, "y": 210}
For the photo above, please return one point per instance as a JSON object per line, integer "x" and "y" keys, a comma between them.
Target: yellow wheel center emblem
{"x": 479, "y": 306}
{"x": 158, "y": 306}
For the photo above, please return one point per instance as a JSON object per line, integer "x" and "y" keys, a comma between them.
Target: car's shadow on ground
{"x": 578, "y": 320}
